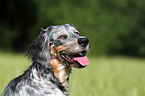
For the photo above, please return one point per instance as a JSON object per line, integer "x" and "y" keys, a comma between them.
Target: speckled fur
{"x": 49, "y": 74}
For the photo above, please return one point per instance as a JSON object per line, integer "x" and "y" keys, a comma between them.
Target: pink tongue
{"x": 82, "y": 60}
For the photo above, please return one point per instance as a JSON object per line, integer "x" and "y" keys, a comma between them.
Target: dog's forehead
{"x": 63, "y": 30}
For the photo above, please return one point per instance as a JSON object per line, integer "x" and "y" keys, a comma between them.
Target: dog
{"x": 54, "y": 52}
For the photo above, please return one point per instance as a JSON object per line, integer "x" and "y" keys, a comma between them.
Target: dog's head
{"x": 63, "y": 43}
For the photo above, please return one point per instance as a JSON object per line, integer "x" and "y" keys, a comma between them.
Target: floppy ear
{"x": 39, "y": 49}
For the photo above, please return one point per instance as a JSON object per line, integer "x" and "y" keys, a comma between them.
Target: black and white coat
{"x": 40, "y": 79}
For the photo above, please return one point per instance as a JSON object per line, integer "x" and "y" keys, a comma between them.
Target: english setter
{"x": 53, "y": 53}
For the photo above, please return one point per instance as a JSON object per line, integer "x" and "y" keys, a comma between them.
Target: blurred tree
{"x": 15, "y": 20}
{"x": 112, "y": 26}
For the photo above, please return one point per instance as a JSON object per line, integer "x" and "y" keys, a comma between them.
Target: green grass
{"x": 114, "y": 76}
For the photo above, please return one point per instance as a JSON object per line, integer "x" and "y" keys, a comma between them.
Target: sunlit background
{"x": 115, "y": 29}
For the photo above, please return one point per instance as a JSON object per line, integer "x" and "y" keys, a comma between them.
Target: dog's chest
{"x": 44, "y": 85}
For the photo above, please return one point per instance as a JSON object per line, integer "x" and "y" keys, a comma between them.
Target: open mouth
{"x": 77, "y": 60}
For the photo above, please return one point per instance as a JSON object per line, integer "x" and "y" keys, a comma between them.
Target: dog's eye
{"x": 77, "y": 33}
{"x": 62, "y": 37}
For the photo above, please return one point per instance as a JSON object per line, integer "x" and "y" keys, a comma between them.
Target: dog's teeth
{"x": 81, "y": 54}
{"x": 70, "y": 58}
{"x": 67, "y": 56}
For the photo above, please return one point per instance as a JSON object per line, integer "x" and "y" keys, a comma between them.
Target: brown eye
{"x": 62, "y": 37}
{"x": 77, "y": 33}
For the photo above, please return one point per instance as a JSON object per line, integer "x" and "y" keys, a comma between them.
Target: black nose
{"x": 83, "y": 41}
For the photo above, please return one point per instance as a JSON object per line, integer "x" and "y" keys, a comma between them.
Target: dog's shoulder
{"x": 16, "y": 84}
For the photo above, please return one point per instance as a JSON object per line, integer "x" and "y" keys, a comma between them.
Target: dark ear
{"x": 39, "y": 49}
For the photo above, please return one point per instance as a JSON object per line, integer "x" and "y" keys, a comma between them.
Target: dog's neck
{"x": 60, "y": 71}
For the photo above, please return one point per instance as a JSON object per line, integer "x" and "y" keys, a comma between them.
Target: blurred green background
{"x": 115, "y": 28}
{"x": 112, "y": 26}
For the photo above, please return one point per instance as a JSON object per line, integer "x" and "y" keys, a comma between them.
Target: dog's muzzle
{"x": 77, "y": 59}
